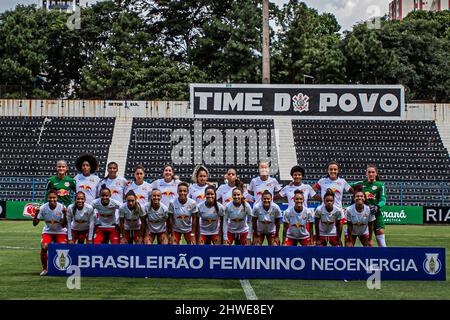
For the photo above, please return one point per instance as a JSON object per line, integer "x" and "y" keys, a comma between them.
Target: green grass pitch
{"x": 20, "y": 267}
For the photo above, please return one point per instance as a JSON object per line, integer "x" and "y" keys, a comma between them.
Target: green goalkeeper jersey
{"x": 63, "y": 187}
{"x": 375, "y": 192}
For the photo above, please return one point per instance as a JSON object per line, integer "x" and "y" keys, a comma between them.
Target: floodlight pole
{"x": 266, "y": 43}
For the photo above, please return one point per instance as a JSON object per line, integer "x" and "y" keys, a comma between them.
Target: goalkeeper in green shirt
{"x": 376, "y": 198}
{"x": 62, "y": 183}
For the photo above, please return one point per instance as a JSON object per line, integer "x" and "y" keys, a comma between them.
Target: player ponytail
{"x": 266, "y": 192}
{"x": 329, "y": 193}
{"x": 104, "y": 187}
{"x": 130, "y": 193}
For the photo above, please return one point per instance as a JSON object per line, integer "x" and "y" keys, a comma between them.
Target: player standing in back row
{"x": 116, "y": 184}
{"x": 264, "y": 182}
{"x": 62, "y": 183}
{"x": 86, "y": 180}
{"x": 376, "y": 198}
{"x": 167, "y": 185}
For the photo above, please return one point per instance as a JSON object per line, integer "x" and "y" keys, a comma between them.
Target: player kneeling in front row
{"x": 298, "y": 223}
{"x": 155, "y": 224}
{"x": 266, "y": 221}
{"x": 328, "y": 222}
{"x": 210, "y": 214}
{"x": 130, "y": 216}
{"x": 53, "y": 213}
{"x": 360, "y": 221}
{"x": 80, "y": 220}
{"x": 183, "y": 216}
{"x": 237, "y": 214}
{"x": 107, "y": 219}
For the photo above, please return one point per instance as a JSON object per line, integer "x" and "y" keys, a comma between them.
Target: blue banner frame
{"x": 247, "y": 262}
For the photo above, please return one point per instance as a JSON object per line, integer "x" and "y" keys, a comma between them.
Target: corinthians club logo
{"x": 62, "y": 260}
{"x": 300, "y": 102}
{"x": 432, "y": 264}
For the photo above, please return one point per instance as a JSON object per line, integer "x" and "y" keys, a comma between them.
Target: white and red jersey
{"x": 89, "y": 185}
{"x": 288, "y": 192}
{"x": 236, "y": 218}
{"x": 106, "y": 216}
{"x": 182, "y": 215}
{"x": 197, "y": 193}
{"x": 142, "y": 191}
{"x": 156, "y": 219}
{"x": 298, "y": 223}
{"x": 168, "y": 190}
{"x": 52, "y": 218}
{"x": 117, "y": 187}
{"x": 80, "y": 220}
{"x": 327, "y": 224}
{"x": 225, "y": 194}
{"x": 266, "y": 218}
{"x": 359, "y": 220}
{"x": 132, "y": 218}
{"x": 338, "y": 186}
{"x": 257, "y": 186}
{"x": 210, "y": 218}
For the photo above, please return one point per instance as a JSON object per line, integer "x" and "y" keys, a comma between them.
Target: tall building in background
{"x": 61, "y": 5}
{"x": 398, "y": 9}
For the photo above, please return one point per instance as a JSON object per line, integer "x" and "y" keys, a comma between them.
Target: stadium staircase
{"x": 120, "y": 141}
{"x": 287, "y": 157}
{"x": 444, "y": 131}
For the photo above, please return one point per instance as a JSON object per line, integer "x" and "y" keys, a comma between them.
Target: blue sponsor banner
{"x": 245, "y": 262}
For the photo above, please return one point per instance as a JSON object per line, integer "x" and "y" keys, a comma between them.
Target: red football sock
{"x": 44, "y": 259}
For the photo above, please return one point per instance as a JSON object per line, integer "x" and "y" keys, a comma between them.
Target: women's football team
{"x": 114, "y": 210}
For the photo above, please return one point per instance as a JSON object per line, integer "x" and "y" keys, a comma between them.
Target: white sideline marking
{"x": 17, "y": 248}
{"x": 248, "y": 290}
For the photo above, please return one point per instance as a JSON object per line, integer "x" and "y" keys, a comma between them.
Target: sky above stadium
{"x": 347, "y": 12}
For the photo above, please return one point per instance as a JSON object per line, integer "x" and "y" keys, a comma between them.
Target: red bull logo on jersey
{"x": 201, "y": 197}
{"x": 369, "y": 196}
{"x": 228, "y": 200}
{"x": 168, "y": 194}
{"x": 85, "y": 187}
{"x": 114, "y": 191}
{"x": 182, "y": 217}
{"x": 63, "y": 192}
{"x": 139, "y": 197}
{"x": 30, "y": 210}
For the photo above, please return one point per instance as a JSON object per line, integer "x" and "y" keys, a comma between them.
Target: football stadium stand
{"x": 30, "y": 147}
{"x": 412, "y": 155}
